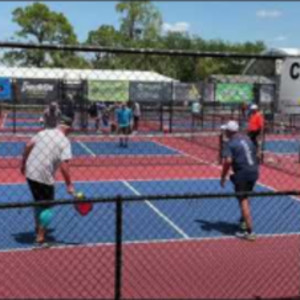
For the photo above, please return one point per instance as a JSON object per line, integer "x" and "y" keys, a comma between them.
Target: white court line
{"x": 156, "y": 210}
{"x": 274, "y": 190}
{"x": 149, "y": 242}
{"x": 86, "y": 148}
{"x": 153, "y": 207}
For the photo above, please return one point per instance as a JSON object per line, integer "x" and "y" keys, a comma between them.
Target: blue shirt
{"x": 243, "y": 154}
{"x": 124, "y": 116}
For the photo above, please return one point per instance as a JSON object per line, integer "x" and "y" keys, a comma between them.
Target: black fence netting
{"x": 158, "y": 184}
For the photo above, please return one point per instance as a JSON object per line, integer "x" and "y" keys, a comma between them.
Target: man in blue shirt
{"x": 124, "y": 117}
{"x": 239, "y": 154}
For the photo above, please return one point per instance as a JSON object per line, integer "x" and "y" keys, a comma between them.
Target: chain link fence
{"x": 161, "y": 225}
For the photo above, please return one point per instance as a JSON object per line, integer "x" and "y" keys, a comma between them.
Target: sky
{"x": 275, "y": 23}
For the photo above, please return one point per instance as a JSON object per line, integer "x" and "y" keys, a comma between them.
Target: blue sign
{"x": 5, "y": 89}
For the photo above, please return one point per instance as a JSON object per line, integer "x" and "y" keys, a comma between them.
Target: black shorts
{"x": 241, "y": 186}
{"x": 41, "y": 192}
{"x": 253, "y": 135}
{"x": 124, "y": 130}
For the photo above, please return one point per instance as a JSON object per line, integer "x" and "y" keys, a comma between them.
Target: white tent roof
{"x": 81, "y": 74}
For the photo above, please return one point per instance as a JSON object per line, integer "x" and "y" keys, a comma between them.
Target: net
{"x": 214, "y": 121}
{"x": 22, "y": 112}
{"x": 18, "y": 118}
{"x": 281, "y": 148}
{"x": 142, "y": 150}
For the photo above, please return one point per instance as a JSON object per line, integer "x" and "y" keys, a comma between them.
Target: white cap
{"x": 232, "y": 126}
{"x": 253, "y": 107}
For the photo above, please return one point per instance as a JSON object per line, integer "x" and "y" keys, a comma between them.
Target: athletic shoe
{"x": 246, "y": 235}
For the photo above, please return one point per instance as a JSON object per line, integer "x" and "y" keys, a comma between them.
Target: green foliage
{"x": 140, "y": 19}
{"x": 140, "y": 27}
{"x": 38, "y": 24}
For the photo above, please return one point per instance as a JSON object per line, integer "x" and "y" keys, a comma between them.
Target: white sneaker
{"x": 246, "y": 235}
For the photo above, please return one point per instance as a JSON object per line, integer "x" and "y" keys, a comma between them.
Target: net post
{"x": 220, "y": 148}
{"x": 14, "y": 107}
{"x": 171, "y": 111}
{"x": 118, "y": 248}
{"x": 202, "y": 116}
{"x": 161, "y": 117}
{"x": 262, "y": 145}
{"x": 14, "y": 119}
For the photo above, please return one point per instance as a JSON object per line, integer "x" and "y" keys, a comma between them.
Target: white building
{"x": 286, "y": 73}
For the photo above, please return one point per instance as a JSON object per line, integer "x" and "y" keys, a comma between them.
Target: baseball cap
{"x": 232, "y": 126}
{"x": 253, "y": 107}
{"x": 53, "y": 104}
{"x": 66, "y": 121}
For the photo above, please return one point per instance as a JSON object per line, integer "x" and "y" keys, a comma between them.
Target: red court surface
{"x": 216, "y": 268}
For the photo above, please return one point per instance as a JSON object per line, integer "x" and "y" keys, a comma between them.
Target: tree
{"x": 38, "y": 24}
{"x": 105, "y": 36}
{"x": 141, "y": 20}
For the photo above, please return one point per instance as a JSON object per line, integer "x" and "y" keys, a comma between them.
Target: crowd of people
{"x": 102, "y": 115}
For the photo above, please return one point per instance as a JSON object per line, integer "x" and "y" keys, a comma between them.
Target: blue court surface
{"x": 283, "y": 146}
{"x": 146, "y": 221}
{"x": 135, "y": 148}
{"x": 25, "y": 115}
{"x": 23, "y": 124}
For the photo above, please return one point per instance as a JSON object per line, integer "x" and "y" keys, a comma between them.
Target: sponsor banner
{"x": 5, "y": 89}
{"x": 208, "y": 92}
{"x": 266, "y": 93}
{"x": 234, "y": 92}
{"x": 150, "y": 91}
{"x": 73, "y": 89}
{"x": 187, "y": 91}
{"x": 110, "y": 91}
{"x": 37, "y": 90}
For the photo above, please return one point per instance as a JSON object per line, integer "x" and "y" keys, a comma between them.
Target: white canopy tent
{"x": 83, "y": 74}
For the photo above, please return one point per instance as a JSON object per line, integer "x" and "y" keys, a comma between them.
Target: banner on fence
{"x": 74, "y": 89}
{"x": 187, "y": 92}
{"x": 39, "y": 91}
{"x": 266, "y": 93}
{"x": 112, "y": 91}
{"x": 5, "y": 89}
{"x": 150, "y": 91}
{"x": 234, "y": 92}
{"x": 208, "y": 92}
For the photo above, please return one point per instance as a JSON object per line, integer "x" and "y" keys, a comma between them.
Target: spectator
{"x": 52, "y": 115}
{"x": 136, "y": 116}
{"x": 255, "y": 124}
